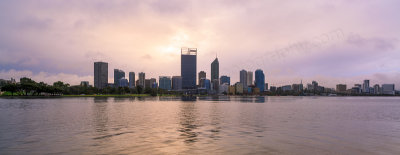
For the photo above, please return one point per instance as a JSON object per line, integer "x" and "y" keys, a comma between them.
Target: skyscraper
{"x": 260, "y": 80}
{"x": 176, "y": 82}
{"x": 202, "y": 74}
{"x": 131, "y": 79}
{"x": 188, "y": 67}
{"x": 142, "y": 78}
{"x": 243, "y": 78}
{"x": 118, "y": 74}
{"x": 100, "y": 74}
{"x": 225, "y": 79}
{"x": 153, "y": 83}
{"x": 388, "y": 89}
{"x": 215, "y": 70}
{"x": 249, "y": 78}
{"x": 165, "y": 82}
{"x": 365, "y": 88}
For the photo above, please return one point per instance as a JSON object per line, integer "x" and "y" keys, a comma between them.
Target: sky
{"x": 342, "y": 41}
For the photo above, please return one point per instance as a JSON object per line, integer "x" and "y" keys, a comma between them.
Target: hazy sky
{"x": 342, "y": 41}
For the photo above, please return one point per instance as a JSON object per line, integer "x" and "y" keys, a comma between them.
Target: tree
{"x": 12, "y": 87}
{"x": 28, "y": 85}
{"x": 139, "y": 89}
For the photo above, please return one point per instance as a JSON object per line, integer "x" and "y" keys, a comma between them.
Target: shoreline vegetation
{"x": 27, "y": 88}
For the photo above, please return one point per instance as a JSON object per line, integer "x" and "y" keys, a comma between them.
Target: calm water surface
{"x": 235, "y": 125}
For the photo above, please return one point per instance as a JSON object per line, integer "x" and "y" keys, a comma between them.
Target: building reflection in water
{"x": 188, "y": 122}
{"x": 100, "y": 116}
{"x": 260, "y": 99}
{"x": 216, "y": 117}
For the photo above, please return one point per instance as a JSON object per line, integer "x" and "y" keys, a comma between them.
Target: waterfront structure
{"x": 260, "y": 80}
{"x": 249, "y": 78}
{"x": 123, "y": 82}
{"x": 341, "y": 88}
{"x": 188, "y": 67}
{"x": 132, "y": 79}
{"x": 84, "y": 83}
{"x": 215, "y": 70}
{"x": 225, "y": 79}
{"x": 365, "y": 88}
{"x": 207, "y": 84}
{"x": 232, "y": 90}
{"x": 142, "y": 78}
{"x": 243, "y": 78}
{"x": 377, "y": 89}
{"x": 176, "y": 83}
{"x": 202, "y": 74}
{"x": 153, "y": 83}
{"x": 287, "y": 88}
{"x": 239, "y": 88}
{"x": 215, "y": 85}
{"x": 223, "y": 88}
{"x": 147, "y": 83}
{"x": 165, "y": 82}
{"x": 118, "y": 74}
{"x": 266, "y": 87}
{"x": 388, "y": 89}
{"x": 100, "y": 74}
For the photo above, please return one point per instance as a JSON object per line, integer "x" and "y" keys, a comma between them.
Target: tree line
{"x": 29, "y": 87}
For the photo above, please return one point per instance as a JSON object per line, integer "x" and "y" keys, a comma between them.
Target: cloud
{"x": 290, "y": 40}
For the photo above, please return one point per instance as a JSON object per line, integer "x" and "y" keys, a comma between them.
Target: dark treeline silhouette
{"x": 28, "y": 87}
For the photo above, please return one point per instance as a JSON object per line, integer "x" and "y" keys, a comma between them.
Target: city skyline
{"x": 330, "y": 42}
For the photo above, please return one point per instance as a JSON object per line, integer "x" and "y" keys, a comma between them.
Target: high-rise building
{"x": 243, "y": 78}
{"x": 153, "y": 83}
{"x": 202, "y": 74}
{"x": 188, "y": 67}
{"x": 177, "y": 83}
{"x": 215, "y": 85}
{"x": 260, "y": 80}
{"x": 131, "y": 79}
{"x": 365, "y": 88}
{"x": 84, "y": 83}
{"x": 147, "y": 83}
{"x": 165, "y": 82}
{"x": 388, "y": 89}
{"x": 100, "y": 74}
{"x": 118, "y": 74}
{"x": 215, "y": 70}
{"x": 225, "y": 79}
{"x": 123, "y": 82}
{"x": 239, "y": 88}
{"x": 142, "y": 78}
{"x": 341, "y": 88}
{"x": 249, "y": 78}
{"x": 377, "y": 89}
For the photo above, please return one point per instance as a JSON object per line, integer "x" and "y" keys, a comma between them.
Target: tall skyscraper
{"x": 215, "y": 70}
{"x": 188, "y": 67}
{"x": 243, "y": 78}
{"x": 225, "y": 79}
{"x": 202, "y": 74}
{"x": 249, "y": 78}
{"x": 142, "y": 78}
{"x": 177, "y": 83}
{"x": 153, "y": 83}
{"x": 100, "y": 74}
{"x": 260, "y": 80}
{"x": 118, "y": 74}
{"x": 365, "y": 88}
{"x": 131, "y": 79}
{"x": 388, "y": 89}
{"x": 165, "y": 82}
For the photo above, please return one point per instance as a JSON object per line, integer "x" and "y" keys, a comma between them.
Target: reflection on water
{"x": 194, "y": 125}
{"x": 188, "y": 121}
